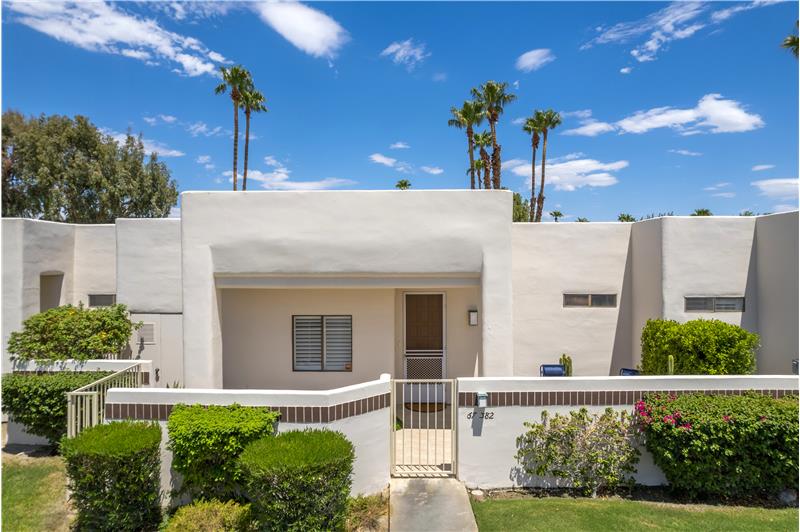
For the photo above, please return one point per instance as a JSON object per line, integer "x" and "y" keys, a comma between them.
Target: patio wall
{"x": 486, "y": 447}
{"x": 360, "y": 412}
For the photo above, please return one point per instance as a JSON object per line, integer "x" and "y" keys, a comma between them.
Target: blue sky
{"x": 667, "y": 107}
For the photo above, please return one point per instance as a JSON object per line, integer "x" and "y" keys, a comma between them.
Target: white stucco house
{"x": 317, "y": 290}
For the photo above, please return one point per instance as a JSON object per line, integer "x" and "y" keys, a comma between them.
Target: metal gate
{"x": 423, "y": 428}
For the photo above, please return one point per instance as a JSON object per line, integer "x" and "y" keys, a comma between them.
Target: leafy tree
{"x": 625, "y": 217}
{"x": 251, "y": 101}
{"x": 533, "y": 127}
{"x": 403, "y": 184}
{"x": 521, "y": 210}
{"x": 556, "y": 215}
{"x": 747, "y": 213}
{"x": 64, "y": 169}
{"x": 482, "y": 140}
{"x": 790, "y": 43}
{"x": 469, "y": 116}
{"x": 493, "y": 98}
{"x": 582, "y": 219}
{"x": 547, "y": 120}
{"x": 702, "y": 212}
{"x": 235, "y": 80}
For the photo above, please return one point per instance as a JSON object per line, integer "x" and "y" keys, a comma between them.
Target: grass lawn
{"x": 617, "y": 514}
{"x": 34, "y": 494}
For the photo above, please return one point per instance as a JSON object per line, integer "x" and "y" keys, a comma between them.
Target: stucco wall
{"x": 647, "y": 298}
{"x": 95, "y": 257}
{"x": 551, "y": 259}
{"x": 149, "y": 265}
{"x": 365, "y": 232}
{"x": 777, "y": 265}
{"x": 166, "y": 353}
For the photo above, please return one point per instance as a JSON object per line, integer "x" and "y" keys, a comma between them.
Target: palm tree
{"x": 493, "y": 99}
{"x": 470, "y": 115}
{"x": 556, "y": 215}
{"x": 235, "y": 79}
{"x": 790, "y": 42}
{"x": 482, "y": 140}
{"x": 479, "y": 166}
{"x": 702, "y": 212}
{"x": 747, "y": 213}
{"x": 547, "y": 120}
{"x": 581, "y": 219}
{"x": 251, "y": 101}
{"x": 625, "y": 217}
{"x": 533, "y": 127}
{"x": 403, "y": 184}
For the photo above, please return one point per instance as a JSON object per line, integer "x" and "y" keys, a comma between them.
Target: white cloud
{"x": 406, "y": 53}
{"x": 784, "y": 207}
{"x": 308, "y": 29}
{"x": 511, "y": 163}
{"x": 534, "y": 59}
{"x": 433, "y": 170}
{"x": 777, "y": 188}
{"x": 590, "y": 128}
{"x": 270, "y": 160}
{"x": 440, "y": 76}
{"x": 724, "y": 14}
{"x": 515, "y": 84}
{"x": 572, "y": 172}
{"x": 174, "y": 212}
{"x": 519, "y": 121}
{"x": 382, "y": 159}
{"x": 724, "y": 194}
{"x": 107, "y": 28}
{"x": 625, "y": 70}
{"x": 580, "y": 113}
{"x": 150, "y": 120}
{"x": 717, "y": 186}
{"x": 687, "y": 153}
{"x": 150, "y": 146}
{"x": 278, "y": 178}
{"x": 201, "y": 128}
{"x": 169, "y": 119}
{"x": 399, "y": 145}
{"x": 762, "y": 167}
{"x": 203, "y": 159}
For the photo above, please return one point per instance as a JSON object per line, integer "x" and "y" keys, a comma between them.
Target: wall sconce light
{"x": 482, "y": 400}
{"x": 473, "y": 317}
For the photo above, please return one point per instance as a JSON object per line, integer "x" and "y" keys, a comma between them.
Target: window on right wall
{"x": 590, "y": 300}
{"x": 713, "y": 304}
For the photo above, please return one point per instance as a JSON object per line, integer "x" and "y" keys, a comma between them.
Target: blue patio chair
{"x": 629, "y": 372}
{"x": 552, "y": 370}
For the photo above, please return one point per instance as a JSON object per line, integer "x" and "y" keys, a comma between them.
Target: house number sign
{"x": 480, "y": 415}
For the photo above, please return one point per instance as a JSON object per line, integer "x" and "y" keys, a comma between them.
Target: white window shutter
{"x": 307, "y": 343}
{"x": 338, "y": 343}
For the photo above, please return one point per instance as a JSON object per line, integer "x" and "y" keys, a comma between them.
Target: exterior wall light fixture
{"x": 482, "y": 400}
{"x": 473, "y": 317}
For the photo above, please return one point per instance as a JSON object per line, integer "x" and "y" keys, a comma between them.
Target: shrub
{"x": 299, "y": 480}
{"x": 212, "y": 516}
{"x": 206, "y": 440}
{"x": 70, "y": 332}
{"x": 698, "y": 347}
{"x": 39, "y": 401}
{"x": 114, "y": 476}
{"x": 588, "y": 451}
{"x": 722, "y": 445}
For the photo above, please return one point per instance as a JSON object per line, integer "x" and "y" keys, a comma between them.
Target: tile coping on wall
{"x": 289, "y": 414}
{"x": 642, "y": 383}
{"x": 592, "y": 398}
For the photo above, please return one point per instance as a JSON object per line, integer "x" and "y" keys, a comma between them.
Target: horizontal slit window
{"x": 713, "y": 304}
{"x": 322, "y": 343}
{"x": 590, "y": 300}
{"x": 102, "y": 300}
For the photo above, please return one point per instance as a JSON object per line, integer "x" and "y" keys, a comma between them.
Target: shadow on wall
{"x": 621, "y": 355}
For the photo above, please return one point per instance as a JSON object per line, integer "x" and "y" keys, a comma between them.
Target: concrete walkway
{"x": 425, "y": 504}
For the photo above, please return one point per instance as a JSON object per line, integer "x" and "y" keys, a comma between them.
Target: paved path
{"x": 435, "y": 505}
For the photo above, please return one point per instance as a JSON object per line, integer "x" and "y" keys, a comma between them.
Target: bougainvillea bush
{"x": 725, "y": 446}
{"x": 70, "y": 332}
{"x": 590, "y": 452}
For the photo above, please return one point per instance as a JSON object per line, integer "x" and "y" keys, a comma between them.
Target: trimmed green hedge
{"x": 299, "y": 480}
{"x": 39, "y": 401}
{"x": 206, "y": 440}
{"x": 212, "y": 516}
{"x": 699, "y": 347}
{"x": 114, "y": 476}
{"x": 76, "y": 333}
{"x": 722, "y": 445}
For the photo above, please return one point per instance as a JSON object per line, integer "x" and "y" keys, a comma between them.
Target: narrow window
{"x": 322, "y": 343}
{"x": 604, "y": 300}
{"x": 590, "y": 300}
{"x": 147, "y": 334}
{"x": 713, "y": 304}
{"x": 576, "y": 300}
{"x": 102, "y": 300}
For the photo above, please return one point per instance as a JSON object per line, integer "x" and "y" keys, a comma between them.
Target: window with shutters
{"x": 102, "y": 300}
{"x": 713, "y": 304}
{"x": 322, "y": 343}
{"x": 147, "y": 334}
{"x": 590, "y": 300}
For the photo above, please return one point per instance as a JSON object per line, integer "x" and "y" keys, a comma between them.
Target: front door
{"x": 425, "y": 346}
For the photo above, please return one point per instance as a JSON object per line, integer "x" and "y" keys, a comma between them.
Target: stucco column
{"x": 497, "y": 320}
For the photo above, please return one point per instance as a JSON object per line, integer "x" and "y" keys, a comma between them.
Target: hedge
{"x": 70, "y": 332}
{"x": 299, "y": 480}
{"x": 39, "y": 400}
{"x": 114, "y": 476}
{"x": 722, "y": 445}
{"x": 206, "y": 440}
{"x": 212, "y": 516}
{"x": 698, "y": 347}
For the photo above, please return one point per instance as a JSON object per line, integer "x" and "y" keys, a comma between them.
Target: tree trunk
{"x": 246, "y": 146}
{"x": 471, "y": 158}
{"x": 486, "y": 168}
{"x": 495, "y": 152}
{"x": 533, "y": 180}
{"x": 235, "y": 140}
{"x": 540, "y": 199}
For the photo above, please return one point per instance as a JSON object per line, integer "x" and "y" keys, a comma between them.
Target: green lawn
{"x": 617, "y": 514}
{"x": 34, "y": 494}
